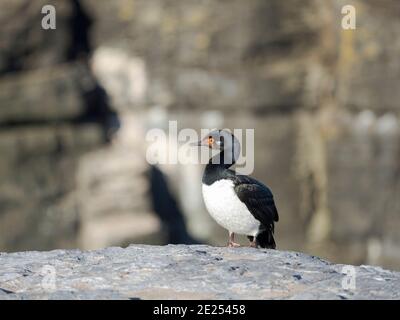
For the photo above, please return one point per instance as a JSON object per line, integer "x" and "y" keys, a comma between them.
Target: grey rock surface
{"x": 187, "y": 272}
{"x": 324, "y": 103}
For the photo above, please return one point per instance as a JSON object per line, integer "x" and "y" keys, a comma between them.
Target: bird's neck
{"x": 224, "y": 160}
{"x": 217, "y": 167}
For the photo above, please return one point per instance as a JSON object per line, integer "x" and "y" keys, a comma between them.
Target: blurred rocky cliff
{"x": 324, "y": 103}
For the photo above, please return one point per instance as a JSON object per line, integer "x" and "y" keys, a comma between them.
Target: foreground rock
{"x": 187, "y": 272}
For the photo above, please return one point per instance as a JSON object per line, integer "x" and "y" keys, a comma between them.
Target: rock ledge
{"x": 188, "y": 272}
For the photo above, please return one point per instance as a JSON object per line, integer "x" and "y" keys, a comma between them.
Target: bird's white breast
{"x": 226, "y": 208}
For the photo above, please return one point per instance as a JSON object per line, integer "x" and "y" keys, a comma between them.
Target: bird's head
{"x": 220, "y": 140}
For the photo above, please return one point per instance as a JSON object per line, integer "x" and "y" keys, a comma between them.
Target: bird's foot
{"x": 232, "y": 244}
{"x": 253, "y": 244}
{"x": 231, "y": 241}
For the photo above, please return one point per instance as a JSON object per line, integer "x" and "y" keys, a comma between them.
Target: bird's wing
{"x": 258, "y": 198}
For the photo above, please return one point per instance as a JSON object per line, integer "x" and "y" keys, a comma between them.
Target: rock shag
{"x": 238, "y": 203}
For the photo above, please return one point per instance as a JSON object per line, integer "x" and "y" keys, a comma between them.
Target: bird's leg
{"x": 253, "y": 243}
{"x": 231, "y": 242}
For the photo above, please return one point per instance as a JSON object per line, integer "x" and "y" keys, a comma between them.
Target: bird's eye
{"x": 210, "y": 140}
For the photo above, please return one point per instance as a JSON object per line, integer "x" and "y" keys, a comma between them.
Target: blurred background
{"x": 76, "y": 103}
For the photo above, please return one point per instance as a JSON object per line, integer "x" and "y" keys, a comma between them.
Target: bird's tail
{"x": 265, "y": 238}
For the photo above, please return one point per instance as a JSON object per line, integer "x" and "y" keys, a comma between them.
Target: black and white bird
{"x": 238, "y": 203}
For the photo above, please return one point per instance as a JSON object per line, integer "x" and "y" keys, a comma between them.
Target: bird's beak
{"x": 199, "y": 143}
{"x": 196, "y": 144}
